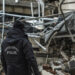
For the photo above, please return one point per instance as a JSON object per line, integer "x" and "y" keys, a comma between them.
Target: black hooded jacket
{"x": 17, "y": 54}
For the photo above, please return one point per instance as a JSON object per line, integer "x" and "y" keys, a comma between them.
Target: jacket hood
{"x": 15, "y": 34}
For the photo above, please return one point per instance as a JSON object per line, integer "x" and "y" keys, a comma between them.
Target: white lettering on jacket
{"x": 12, "y": 50}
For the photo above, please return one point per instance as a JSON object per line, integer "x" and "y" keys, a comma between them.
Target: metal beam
{"x": 3, "y": 19}
{"x": 56, "y": 29}
{"x": 64, "y": 36}
{"x": 40, "y": 45}
{"x": 23, "y": 16}
{"x": 69, "y": 2}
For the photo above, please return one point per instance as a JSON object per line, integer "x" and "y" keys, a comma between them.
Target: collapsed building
{"x": 52, "y": 32}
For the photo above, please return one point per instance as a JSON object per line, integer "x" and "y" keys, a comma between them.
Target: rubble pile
{"x": 59, "y": 67}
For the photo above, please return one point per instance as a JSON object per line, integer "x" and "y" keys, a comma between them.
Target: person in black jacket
{"x": 17, "y": 53}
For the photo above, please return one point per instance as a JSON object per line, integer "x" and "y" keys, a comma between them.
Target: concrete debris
{"x": 60, "y": 73}
{"x": 55, "y": 68}
{"x": 46, "y": 73}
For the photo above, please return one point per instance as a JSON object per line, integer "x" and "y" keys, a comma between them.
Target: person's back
{"x": 17, "y": 54}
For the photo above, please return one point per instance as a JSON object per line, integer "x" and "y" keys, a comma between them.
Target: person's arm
{"x": 3, "y": 61}
{"x": 29, "y": 55}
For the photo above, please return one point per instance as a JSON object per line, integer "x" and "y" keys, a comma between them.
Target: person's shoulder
{"x": 26, "y": 41}
{"x": 3, "y": 43}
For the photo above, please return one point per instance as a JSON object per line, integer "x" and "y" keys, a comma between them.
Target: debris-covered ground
{"x": 59, "y": 67}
